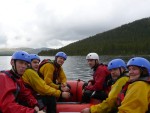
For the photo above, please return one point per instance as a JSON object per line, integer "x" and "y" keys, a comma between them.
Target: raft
{"x": 74, "y": 103}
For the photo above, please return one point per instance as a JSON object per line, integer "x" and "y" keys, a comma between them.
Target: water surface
{"x": 75, "y": 67}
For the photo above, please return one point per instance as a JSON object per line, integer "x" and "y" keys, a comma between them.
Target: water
{"x": 75, "y": 67}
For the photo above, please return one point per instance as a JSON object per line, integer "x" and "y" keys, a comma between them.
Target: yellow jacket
{"x": 47, "y": 71}
{"x": 32, "y": 78}
{"x": 137, "y": 98}
{"x": 107, "y": 105}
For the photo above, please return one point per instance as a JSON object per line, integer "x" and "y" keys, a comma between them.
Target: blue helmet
{"x": 140, "y": 62}
{"x": 34, "y": 56}
{"x": 61, "y": 54}
{"x": 21, "y": 55}
{"x": 116, "y": 63}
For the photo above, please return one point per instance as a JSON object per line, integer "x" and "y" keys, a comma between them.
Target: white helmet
{"x": 92, "y": 56}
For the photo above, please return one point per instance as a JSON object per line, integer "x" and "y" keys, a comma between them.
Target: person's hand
{"x": 36, "y": 108}
{"x": 86, "y": 110}
{"x": 83, "y": 91}
{"x": 65, "y": 95}
{"x": 66, "y": 89}
{"x": 89, "y": 83}
{"x": 63, "y": 84}
{"x": 41, "y": 111}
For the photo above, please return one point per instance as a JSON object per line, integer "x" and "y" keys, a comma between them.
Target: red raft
{"x": 73, "y": 104}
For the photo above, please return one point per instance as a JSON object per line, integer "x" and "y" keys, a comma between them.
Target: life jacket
{"x": 108, "y": 80}
{"x": 7, "y": 73}
{"x": 34, "y": 93}
{"x": 55, "y": 73}
{"x": 122, "y": 94}
{"x": 107, "y": 84}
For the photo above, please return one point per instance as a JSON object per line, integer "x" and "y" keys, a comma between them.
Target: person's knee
{"x": 69, "y": 86}
{"x": 88, "y": 92}
{"x": 86, "y": 96}
{"x": 85, "y": 84}
{"x": 101, "y": 95}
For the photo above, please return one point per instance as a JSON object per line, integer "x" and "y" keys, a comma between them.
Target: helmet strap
{"x": 56, "y": 64}
{"x": 14, "y": 69}
{"x": 143, "y": 72}
{"x": 55, "y": 59}
{"x": 120, "y": 71}
{"x": 95, "y": 66}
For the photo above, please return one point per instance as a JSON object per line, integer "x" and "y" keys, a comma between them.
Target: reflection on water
{"x": 75, "y": 67}
{"x": 5, "y": 62}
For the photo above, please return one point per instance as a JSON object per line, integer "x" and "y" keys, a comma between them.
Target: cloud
{"x": 56, "y": 23}
{"x": 3, "y": 38}
{"x": 3, "y": 41}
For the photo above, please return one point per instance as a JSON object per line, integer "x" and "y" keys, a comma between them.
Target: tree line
{"x": 129, "y": 39}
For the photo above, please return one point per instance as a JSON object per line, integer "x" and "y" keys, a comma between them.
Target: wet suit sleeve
{"x": 7, "y": 98}
{"x": 32, "y": 78}
{"x": 26, "y": 95}
{"x": 136, "y": 99}
{"x": 99, "y": 79}
{"x": 62, "y": 77}
{"x": 109, "y": 103}
{"x": 47, "y": 70}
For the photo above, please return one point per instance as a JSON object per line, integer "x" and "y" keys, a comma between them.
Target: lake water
{"x": 75, "y": 67}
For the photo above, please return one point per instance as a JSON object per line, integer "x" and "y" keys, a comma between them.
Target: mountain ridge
{"x": 10, "y": 51}
{"x": 128, "y": 39}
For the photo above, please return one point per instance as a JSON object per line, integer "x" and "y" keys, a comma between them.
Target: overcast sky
{"x": 56, "y": 23}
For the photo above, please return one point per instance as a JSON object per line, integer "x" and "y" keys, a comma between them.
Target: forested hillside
{"x": 129, "y": 39}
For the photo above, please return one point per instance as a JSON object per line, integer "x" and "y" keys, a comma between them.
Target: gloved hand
{"x": 65, "y": 95}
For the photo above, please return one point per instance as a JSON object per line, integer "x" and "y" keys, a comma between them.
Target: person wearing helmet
{"x": 53, "y": 73}
{"x": 37, "y": 85}
{"x": 12, "y": 89}
{"x": 117, "y": 68}
{"x": 96, "y": 87}
{"x": 35, "y": 60}
{"x": 54, "y": 76}
{"x": 134, "y": 97}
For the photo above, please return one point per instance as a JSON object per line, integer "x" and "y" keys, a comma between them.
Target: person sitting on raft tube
{"x": 96, "y": 85}
{"x": 117, "y": 68}
{"x": 12, "y": 89}
{"x": 37, "y": 85}
{"x": 54, "y": 76}
{"x": 135, "y": 95}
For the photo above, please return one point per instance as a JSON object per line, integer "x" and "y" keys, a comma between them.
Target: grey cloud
{"x": 3, "y": 39}
{"x": 81, "y": 24}
{"x": 49, "y": 28}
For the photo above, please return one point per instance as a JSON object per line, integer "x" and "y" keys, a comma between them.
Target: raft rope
{"x": 77, "y": 89}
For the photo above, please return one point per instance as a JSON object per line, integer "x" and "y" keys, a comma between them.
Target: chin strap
{"x": 14, "y": 69}
{"x": 95, "y": 66}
